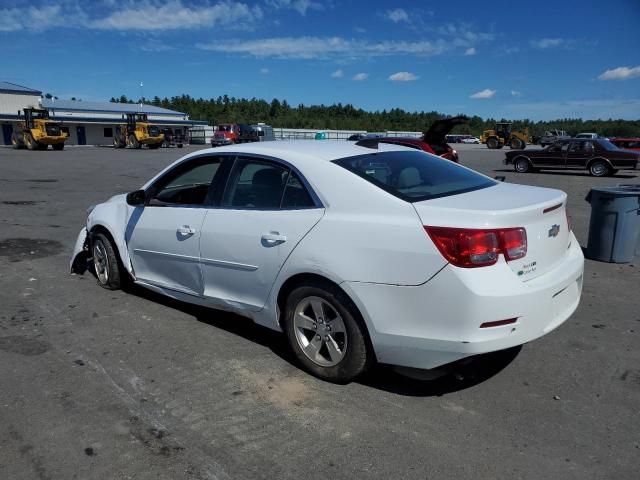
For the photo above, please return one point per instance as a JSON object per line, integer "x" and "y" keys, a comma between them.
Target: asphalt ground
{"x": 112, "y": 385}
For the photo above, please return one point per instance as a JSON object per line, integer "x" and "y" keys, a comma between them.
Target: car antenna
{"x": 368, "y": 143}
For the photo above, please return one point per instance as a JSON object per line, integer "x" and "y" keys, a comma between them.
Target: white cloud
{"x": 397, "y": 15}
{"x": 39, "y": 18}
{"x": 515, "y": 93}
{"x": 548, "y": 42}
{"x": 325, "y": 47}
{"x": 403, "y": 77}
{"x": 470, "y": 51}
{"x": 486, "y": 93}
{"x": 152, "y": 15}
{"x": 359, "y": 77}
{"x": 264, "y": 71}
{"x": 300, "y": 6}
{"x": 337, "y": 74}
{"x": 620, "y": 73}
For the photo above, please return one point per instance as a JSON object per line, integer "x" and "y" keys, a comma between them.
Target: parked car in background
{"x": 433, "y": 140}
{"x": 417, "y": 263}
{"x": 632, "y": 143}
{"x": 225, "y": 134}
{"x": 599, "y": 156}
{"x": 470, "y": 140}
{"x": 587, "y": 135}
{"x": 552, "y": 136}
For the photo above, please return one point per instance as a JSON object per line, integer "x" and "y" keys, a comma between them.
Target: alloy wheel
{"x": 320, "y": 331}
{"x": 101, "y": 262}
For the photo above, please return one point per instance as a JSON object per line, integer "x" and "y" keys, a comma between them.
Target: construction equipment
{"x": 137, "y": 132}
{"x": 503, "y": 135}
{"x": 37, "y": 132}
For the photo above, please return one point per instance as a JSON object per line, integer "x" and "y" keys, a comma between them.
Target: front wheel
{"x": 599, "y": 169}
{"x": 105, "y": 262}
{"x": 493, "y": 143}
{"x": 326, "y": 334}
{"x": 521, "y": 165}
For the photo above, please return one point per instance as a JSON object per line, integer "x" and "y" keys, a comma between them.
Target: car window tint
{"x": 256, "y": 184}
{"x": 296, "y": 195}
{"x": 188, "y": 186}
{"x": 415, "y": 176}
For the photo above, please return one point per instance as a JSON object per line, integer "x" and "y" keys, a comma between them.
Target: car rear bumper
{"x": 429, "y": 325}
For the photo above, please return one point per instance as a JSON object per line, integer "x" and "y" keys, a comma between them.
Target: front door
{"x": 164, "y": 243}
{"x": 552, "y": 156}
{"x": 82, "y": 135}
{"x": 7, "y": 130}
{"x": 265, "y": 212}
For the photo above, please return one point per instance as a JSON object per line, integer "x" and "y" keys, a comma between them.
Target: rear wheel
{"x": 326, "y": 333}
{"x": 493, "y": 143}
{"x": 105, "y": 262}
{"x": 599, "y": 168}
{"x": 117, "y": 142}
{"x": 16, "y": 141}
{"x": 521, "y": 165}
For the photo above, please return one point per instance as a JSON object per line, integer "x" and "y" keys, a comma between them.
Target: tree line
{"x": 279, "y": 113}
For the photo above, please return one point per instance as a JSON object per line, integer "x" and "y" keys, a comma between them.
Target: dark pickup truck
{"x": 599, "y": 156}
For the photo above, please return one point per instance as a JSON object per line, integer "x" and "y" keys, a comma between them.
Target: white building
{"x": 88, "y": 123}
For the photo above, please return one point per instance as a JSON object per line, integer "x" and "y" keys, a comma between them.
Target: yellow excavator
{"x": 502, "y": 135}
{"x": 36, "y": 131}
{"x": 138, "y": 132}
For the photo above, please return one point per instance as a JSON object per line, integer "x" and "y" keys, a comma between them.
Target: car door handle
{"x": 273, "y": 238}
{"x": 186, "y": 230}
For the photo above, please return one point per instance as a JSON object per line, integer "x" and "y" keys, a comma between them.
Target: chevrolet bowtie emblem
{"x": 553, "y": 231}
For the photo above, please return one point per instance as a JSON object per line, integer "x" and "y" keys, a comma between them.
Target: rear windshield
{"x": 415, "y": 176}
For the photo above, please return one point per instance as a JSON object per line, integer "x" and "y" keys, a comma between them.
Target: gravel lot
{"x": 111, "y": 385}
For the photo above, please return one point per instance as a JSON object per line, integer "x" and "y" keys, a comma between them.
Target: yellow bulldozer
{"x": 36, "y": 131}
{"x": 137, "y": 132}
{"x": 502, "y": 135}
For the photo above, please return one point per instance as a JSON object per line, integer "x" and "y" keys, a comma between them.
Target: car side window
{"x": 188, "y": 184}
{"x": 255, "y": 184}
{"x": 296, "y": 195}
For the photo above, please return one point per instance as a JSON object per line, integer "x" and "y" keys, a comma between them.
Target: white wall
{"x": 10, "y": 103}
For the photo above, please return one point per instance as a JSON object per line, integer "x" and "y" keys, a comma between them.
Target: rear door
{"x": 266, "y": 210}
{"x": 579, "y": 153}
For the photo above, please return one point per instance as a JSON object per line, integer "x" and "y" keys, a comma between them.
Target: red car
{"x": 433, "y": 140}
{"x": 626, "y": 143}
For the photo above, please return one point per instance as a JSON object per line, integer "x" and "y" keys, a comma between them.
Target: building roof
{"x": 106, "y": 107}
{"x": 8, "y": 87}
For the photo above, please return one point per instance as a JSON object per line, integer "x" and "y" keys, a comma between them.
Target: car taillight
{"x": 469, "y": 248}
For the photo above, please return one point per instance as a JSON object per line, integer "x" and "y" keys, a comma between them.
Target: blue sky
{"x": 539, "y": 60}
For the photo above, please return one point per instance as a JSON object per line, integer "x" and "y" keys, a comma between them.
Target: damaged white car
{"x": 359, "y": 252}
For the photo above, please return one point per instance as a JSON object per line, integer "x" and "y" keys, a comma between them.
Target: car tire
{"x": 521, "y": 165}
{"x": 599, "y": 168}
{"x": 326, "y": 333}
{"x": 105, "y": 262}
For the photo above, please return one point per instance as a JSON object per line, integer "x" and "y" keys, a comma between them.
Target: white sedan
{"x": 475, "y": 140}
{"x": 359, "y": 252}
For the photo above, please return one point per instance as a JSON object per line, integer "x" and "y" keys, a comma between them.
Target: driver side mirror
{"x": 137, "y": 198}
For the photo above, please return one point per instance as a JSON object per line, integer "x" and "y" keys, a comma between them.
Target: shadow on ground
{"x": 450, "y": 378}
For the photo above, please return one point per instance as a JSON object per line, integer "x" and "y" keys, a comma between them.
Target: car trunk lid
{"x": 440, "y": 128}
{"x": 541, "y": 211}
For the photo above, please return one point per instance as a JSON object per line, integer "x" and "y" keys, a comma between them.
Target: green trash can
{"x": 614, "y": 227}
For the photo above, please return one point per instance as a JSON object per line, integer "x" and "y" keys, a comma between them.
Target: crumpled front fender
{"x": 80, "y": 255}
